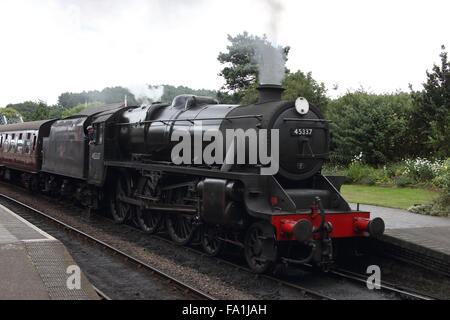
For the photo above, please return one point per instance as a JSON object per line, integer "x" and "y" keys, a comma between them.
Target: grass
{"x": 401, "y": 198}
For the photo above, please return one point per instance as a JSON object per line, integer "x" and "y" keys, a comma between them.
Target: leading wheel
{"x": 180, "y": 227}
{"x": 259, "y": 247}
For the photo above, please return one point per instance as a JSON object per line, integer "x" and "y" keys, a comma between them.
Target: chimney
{"x": 269, "y": 92}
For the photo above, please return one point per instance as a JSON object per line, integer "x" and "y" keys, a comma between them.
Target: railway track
{"x": 384, "y": 286}
{"x": 350, "y": 276}
{"x": 186, "y": 288}
{"x": 101, "y": 294}
{"x": 341, "y": 273}
{"x": 303, "y": 290}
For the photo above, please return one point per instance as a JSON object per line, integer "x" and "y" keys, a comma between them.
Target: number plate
{"x": 301, "y": 132}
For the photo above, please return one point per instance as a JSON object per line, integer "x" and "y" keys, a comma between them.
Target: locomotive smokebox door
{"x": 96, "y": 155}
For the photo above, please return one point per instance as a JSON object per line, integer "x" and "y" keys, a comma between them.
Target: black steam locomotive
{"x": 128, "y": 167}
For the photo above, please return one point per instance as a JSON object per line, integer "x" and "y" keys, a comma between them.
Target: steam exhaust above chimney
{"x": 269, "y": 92}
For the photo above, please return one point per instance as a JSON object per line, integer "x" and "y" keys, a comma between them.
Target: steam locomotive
{"x": 294, "y": 216}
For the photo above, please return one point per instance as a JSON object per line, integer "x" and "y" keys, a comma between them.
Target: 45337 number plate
{"x": 301, "y": 132}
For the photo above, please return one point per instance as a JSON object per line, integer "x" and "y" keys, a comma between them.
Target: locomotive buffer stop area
{"x": 33, "y": 264}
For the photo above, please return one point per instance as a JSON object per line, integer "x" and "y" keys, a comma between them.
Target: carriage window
{"x": 28, "y": 136}
{"x": 1, "y": 142}
{"x": 34, "y": 143}
{"x": 19, "y": 148}
{"x": 6, "y": 146}
{"x": 12, "y": 145}
{"x": 28, "y": 147}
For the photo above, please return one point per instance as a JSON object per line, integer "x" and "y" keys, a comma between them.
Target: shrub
{"x": 370, "y": 179}
{"x": 382, "y": 175}
{"x": 357, "y": 171}
{"x": 376, "y": 125}
{"x": 422, "y": 170}
{"x": 395, "y": 170}
{"x": 404, "y": 180}
{"x": 441, "y": 205}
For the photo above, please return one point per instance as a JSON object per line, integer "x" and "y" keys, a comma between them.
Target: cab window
{"x": 100, "y": 133}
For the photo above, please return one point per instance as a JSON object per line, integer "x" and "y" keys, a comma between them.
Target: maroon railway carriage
{"x": 21, "y": 149}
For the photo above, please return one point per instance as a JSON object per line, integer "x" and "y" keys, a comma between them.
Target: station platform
{"x": 34, "y": 265}
{"x": 419, "y": 238}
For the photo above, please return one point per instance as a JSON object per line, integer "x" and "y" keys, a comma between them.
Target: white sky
{"x": 53, "y": 46}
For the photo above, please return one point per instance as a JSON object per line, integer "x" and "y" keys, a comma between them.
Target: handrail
{"x": 192, "y": 120}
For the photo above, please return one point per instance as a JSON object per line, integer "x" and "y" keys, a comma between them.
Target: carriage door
{"x": 96, "y": 155}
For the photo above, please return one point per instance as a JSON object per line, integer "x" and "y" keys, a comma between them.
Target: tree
{"x": 297, "y": 85}
{"x": 69, "y": 100}
{"x": 241, "y": 70}
{"x": 431, "y": 115}
{"x": 374, "y": 125}
{"x": 170, "y": 92}
{"x": 41, "y": 112}
{"x": 26, "y": 109}
{"x": 79, "y": 108}
{"x": 300, "y": 85}
{"x": 12, "y": 116}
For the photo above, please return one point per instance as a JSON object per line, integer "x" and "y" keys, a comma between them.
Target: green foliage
{"x": 299, "y": 84}
{"x": 357, "y": 171}
{"x": 228, "y": 98}
{"x": 73, "y": 111}
{"x": 70, "y": 100}
{"x": 404, "y": 180}
{"x": 26, "y": 109}
{"x": 170, "y": 92}
{"x": 431, "y": 114}
{"x": 241, "y": 70}
{"x": 56, "y": 112}
{"x": 422, "y": 170}
{"x": 401, "y": 198}
{"x": 374, "y": 125}
{"x": 32, "y": 111}
{"x": 335, "y": 170}
{"x": 12, "y": 116}
{"x": 41, "y": 112}
{"x": 441, "y": 204}
{"x": 249, "y": 95}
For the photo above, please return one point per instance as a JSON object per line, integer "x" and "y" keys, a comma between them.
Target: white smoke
{"x": 268, "y": 55}
{"x": 271, "y": 62}
{"x": 275, "y": 10}
{"x": 145, "y": 93}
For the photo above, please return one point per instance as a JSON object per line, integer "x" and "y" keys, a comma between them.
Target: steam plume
{"x": 146, "y": 94}
{"x": 269, "y": 56}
